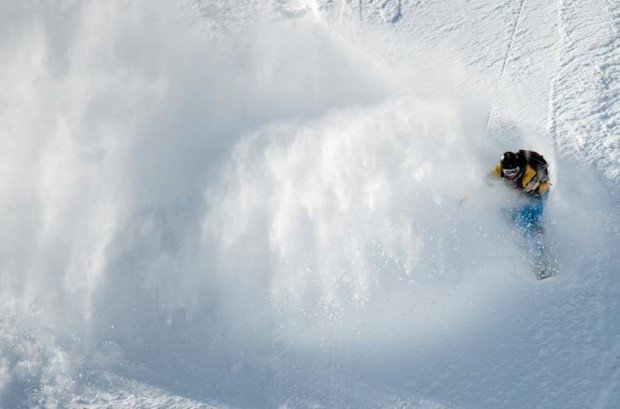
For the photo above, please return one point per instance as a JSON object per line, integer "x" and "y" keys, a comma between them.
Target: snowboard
{"x": 540, "y": 253}
{"x": 535, "y": 243}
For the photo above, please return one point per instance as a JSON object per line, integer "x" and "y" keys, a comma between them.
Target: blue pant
{"x": 529, "y": 217}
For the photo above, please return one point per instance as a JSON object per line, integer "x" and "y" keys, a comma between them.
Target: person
{"x": 527, "y": 171}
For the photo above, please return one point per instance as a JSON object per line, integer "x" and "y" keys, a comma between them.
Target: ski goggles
{"x": 511, "y": 172}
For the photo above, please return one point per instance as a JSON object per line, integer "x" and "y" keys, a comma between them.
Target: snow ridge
{"x": 585, "y": 112}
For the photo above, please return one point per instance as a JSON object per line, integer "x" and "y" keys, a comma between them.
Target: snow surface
{"x": 283, "y": 204}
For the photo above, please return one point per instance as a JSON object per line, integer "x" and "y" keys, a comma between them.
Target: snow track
{"x": 512, "y": 36}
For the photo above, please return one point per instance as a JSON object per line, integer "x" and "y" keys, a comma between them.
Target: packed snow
{"x": 286, "y": 204}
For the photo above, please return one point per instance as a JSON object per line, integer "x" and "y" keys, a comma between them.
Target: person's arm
{"x": 529, "y": 181}
{"x": 498, "y": 170}
{"x": 532, "y": 184}
{"x": 493, "y": 175}
{"x": 543, "y": 188}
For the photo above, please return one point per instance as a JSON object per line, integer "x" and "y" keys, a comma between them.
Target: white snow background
{"x": 282, "y": 203}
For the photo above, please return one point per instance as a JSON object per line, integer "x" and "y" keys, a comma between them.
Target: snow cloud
{"x": 183, "y": 193}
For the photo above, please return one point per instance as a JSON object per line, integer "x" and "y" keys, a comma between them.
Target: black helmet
{"x": 510, "y": 164}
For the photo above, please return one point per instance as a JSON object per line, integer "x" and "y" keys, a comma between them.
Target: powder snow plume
{"x": 286, "y": 204}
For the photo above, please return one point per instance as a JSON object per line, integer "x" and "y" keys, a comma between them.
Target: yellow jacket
{"x": 529, "y": 182}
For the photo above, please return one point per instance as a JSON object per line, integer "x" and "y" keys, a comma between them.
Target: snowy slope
{"x": 283, "y": 204}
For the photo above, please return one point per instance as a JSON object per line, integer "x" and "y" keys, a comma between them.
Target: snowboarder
{"x": 528, "y": 172}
